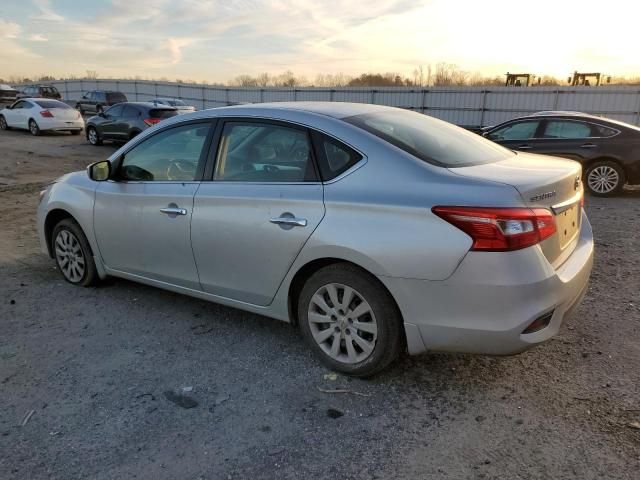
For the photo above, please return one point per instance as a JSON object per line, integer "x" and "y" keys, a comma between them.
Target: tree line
{"x": 441, "y": 75}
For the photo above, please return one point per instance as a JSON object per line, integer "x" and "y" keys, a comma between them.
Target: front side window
{"x": 515, "y": 131}
{"x": 430, "y": 139}
{"x": 566, "y": 129}
{"x": 114, "y": 112}
{"x": 171, "y": 155}
{"x": 263, "y": 152}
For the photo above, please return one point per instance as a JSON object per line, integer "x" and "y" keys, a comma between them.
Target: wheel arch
{"x": 606, "y": 158}
{"x": 54, "y": 217}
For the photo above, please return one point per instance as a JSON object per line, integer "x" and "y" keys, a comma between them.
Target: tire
{"x": 604, "y": 178}
{"x": 73, "y": 254}
{"x": 33, "y": 128}
{"x": 93, "y": 136}
{"x": 376, "y": 311}
{"x": 3, "y": 123}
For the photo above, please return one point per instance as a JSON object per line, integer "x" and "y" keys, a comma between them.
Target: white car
{"x": 174, "y": 102}
{"x": 41, "y": 114}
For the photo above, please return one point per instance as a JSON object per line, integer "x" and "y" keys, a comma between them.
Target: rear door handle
{"x": 174, "y": 211}
{"x": 588, "y": 145}
{"x": 292, "y": 221}
{"x": 524, "y": 147}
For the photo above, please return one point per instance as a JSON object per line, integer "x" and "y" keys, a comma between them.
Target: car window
{"x": 256, "y": 152}
{"x": 53, "y": 104}
{"x": 515, "y": 131}
{"x": 115, "y": 111}
{"x": 171, "y": 155}
{"x": 430, "y": 139}
{"x": 162, "y": 113}
{"x": 19, "y": 105}
{"x": 566, "y": 129}
{"x": 115, "y": 97}
{"x": 602, "y": 131}
{"x": 333, "y": 156}
{"x": 100, "y": 96}
{"x": 129, "y": 111}
{"x": 90, "y": 96}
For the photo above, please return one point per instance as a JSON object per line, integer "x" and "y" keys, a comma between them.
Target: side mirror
{"x": 99, "y": 171}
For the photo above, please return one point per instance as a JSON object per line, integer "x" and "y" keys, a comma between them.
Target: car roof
{"x": 572, "y": 116}
{"x": 332, "y": 109}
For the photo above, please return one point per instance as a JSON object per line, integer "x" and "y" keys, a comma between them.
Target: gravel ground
{"x": 88, "y": 376}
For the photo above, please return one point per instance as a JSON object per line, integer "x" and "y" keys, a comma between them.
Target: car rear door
{"x": 573, "y": 139}
{"x": 263, "y": 201}
{"x": 109, "y": 126}
{"x": 142, "y": 216}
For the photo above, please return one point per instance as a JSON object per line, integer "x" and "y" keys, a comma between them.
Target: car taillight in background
{"x": 46, "y": 114}
{"x": 152, "y": 121}
{"x": 500, "y": 229}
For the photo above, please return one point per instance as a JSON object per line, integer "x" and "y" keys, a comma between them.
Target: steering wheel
{"x": 181, "y": 170}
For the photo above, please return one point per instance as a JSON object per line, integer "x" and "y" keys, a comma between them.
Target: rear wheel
{"x": 33, "y": 127}
{"x": 93, "y": 137}
{"x": 73, "y": 254}
{"x": 3, "y": 123}
{"x": 604, "y": 178}
{"x": 350, "y": 320}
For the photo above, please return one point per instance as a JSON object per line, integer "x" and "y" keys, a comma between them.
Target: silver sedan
{"x": 374, "y": 229}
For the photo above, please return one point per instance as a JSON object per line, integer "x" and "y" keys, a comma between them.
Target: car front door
{"x": 572, "y": 139}
{"x": 252, "y": 219}
{"x": 518, "y": 135}
{"x": 142, "y": 215}
{"x": 109, "y": 127}
{"x": 15, "y": 116}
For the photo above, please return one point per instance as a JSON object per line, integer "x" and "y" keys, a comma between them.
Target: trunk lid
{"x": 543, "y": 182}
{"x": 66, "y": 114}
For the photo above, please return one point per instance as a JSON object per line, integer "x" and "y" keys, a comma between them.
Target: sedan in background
{"x": 373, "y": 229}
{"x": 8, "y": 93}
{"x": 174, "y": 102}
{"x": 609, "y": 150}
{"x": 41, "y": 114}
{"x": 124, "y": 121}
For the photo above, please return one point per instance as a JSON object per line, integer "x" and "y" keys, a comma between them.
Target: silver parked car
{"x": 374, "y": 229}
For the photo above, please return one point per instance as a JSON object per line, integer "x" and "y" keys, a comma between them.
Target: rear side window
{"x": 565, "y": 129}
{"x": 333, "y": 157}
{"x": 162, "y": 113}
{"x": 130, "y": 112}
{"x": 602, "y": 131}
{"x": 115, "y": 111}
{"x": 116, "y": 97}
{"x": 52, "y": 104}
{"x": 49, "y": 90}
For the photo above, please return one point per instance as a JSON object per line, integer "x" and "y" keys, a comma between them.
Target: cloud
{"x": 46, "y": 12}
{"x": 175, "y": 46}
{"x": 38, "y": 37}
{"x": 9, "y": 29}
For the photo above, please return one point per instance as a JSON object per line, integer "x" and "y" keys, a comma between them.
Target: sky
{"x": 216, "y": 40}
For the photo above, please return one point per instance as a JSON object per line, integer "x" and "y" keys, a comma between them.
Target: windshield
{"x": 430, "y": 139}
{"x": 177, "y": 103}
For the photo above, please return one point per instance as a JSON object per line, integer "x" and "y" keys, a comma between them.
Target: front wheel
{"x": 3, "y": 123}
{"x": 33, "y": 128}
{"x": 73, "y": 254}
{"x": 93, "y": 137}
{"x": 350, "y": 320}
{"x": 604, "y": 178}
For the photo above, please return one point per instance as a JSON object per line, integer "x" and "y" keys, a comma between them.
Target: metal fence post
{"x": 203, "y": 97}
{"x": 155, "y": 89}
{"x": 135, "y": 89}
{"x": 424, "y": 99}
{"x": 262, "y": 95}
{"x": 373, "y": 96}
{"x": 555, "y": 100}
{"x": 331, "y": 94}
{"x": 484, "y": 107}
{"x": 226, "y": 95}
{"x": 295, "y": 94}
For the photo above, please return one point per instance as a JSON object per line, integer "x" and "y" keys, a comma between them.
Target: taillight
{"x": 152, "y": 121}
{"x": 500, "y": 229}
{"x": 46, "y": 114}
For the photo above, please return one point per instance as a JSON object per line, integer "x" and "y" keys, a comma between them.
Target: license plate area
{"x": 568, "y": 224}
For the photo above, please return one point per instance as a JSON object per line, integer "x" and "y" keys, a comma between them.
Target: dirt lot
{"x": 83, "y": 375}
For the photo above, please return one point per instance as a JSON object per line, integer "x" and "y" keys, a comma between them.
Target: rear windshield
{"x": 116, "y": 97}
{"x": 162, "y": 113}
{"x": 51, "y": 104}
{"x": 177, "y": 103}
{"x": 50, "y": 90}
{"x": 430, "y": 139}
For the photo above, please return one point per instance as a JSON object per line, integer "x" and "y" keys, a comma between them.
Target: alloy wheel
{"x": 93, "y": 136}
{"x": 70, "y": 256}
{"x": 3, "y": 123}
{"x": 603, "y": 179}
{"x": 33, "y": 127}
{"x": 342, "y": 323}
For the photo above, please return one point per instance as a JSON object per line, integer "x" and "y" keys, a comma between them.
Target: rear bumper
{"x": 491, "y": 298}
{"x": 61, "y": 125}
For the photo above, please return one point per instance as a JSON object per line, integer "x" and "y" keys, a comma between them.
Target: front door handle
{"x": 291, "y": 221}
{"x": 524, "y": 147}
{"x": 588, "y": 145}
{"x": 174, "y": 211}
